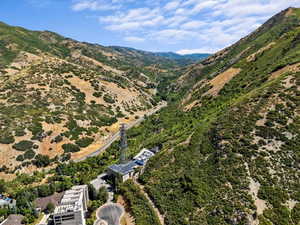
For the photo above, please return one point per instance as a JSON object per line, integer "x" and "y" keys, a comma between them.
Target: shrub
{"x": 296, "y": 214}
{"x": 97, "y": 94}
{"x": 70, "y": 148}
{"x": 41, "y": 160}
{"x": 84, "y": 142}
{"x": 7, "y": 139}
{"x": 58, "y": 139}
{"x": 107, "y": 98}
{"x": 20, "y": 158}
{"x": 23, "y": 145}
{"x": 50, "y": 208}
{"x": 20, "y": 132}
{"x": 29, "y": 154}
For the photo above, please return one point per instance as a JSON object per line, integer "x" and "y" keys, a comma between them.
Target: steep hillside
{"x": 231, "y": 154}
{"x": 60, "y": 96}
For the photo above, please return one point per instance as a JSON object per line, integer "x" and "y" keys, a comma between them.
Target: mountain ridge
{"x": 231, "y": 137}
{"x": 69, "y": 95}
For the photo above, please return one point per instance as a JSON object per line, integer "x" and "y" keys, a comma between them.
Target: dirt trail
{"x": 160, "y": 216}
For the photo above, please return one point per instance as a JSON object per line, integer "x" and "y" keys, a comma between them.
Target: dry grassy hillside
{"x": 62, "y": 99}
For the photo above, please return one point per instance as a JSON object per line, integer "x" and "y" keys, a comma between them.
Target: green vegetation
{"x": 7, "y": 139}
{"x": 23, "y": 145}
{"x": 50, "y": 208}
{"x": 70, "y": 148}
{"x": 138, "y": 204}
{"x": 84, "y": 142}
{"x": 108, "y": 99}
{"x": 209, "y": 152}
{"x": 97, "y": 199}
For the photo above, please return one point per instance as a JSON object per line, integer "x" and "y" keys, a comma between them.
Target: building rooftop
{"x": 123, "y": 169}
{"x": 68, "y": 208}
{"x": 144, "y": 155}
{"x": 139, "y": 160}
{"x": 72, "y": 200}
{"x": 5, "y": 200}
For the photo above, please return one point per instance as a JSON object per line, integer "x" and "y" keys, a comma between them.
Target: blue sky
{"x": 183, "y": 26}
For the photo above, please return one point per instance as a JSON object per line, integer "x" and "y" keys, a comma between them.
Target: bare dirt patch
{"x": 191, "y": 105}
{"x": 127, "y": 218}
{"x": 252, "y": 57}
{"x": 290, "y": 68}
{"x": 87, "y": 89}
{"x": 290, "y": 12}
{"x": 219, "y": 81}
{"x": 259, "y": 203}
{"x": 48, "y": 148}
{"x": 122, "y": 94}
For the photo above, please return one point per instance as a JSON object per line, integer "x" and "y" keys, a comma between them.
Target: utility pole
{"x": 123, "y": 144}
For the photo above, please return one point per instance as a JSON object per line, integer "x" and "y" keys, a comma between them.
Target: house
{"x": 73, "y": 207}
{"x": 122, "y": 172}
{"x": 7, "y": 202}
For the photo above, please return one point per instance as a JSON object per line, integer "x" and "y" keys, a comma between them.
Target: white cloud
{"x": 134, "y": 39}
{"x": 175, "y": 21}
{"x": 174, "y": 35}
{"x": 214, "y": 24}
{"x": 93, "y": 5}
{"x": 172, "y": 5}
{"x": 134, "y": 19}
{"x": 124, "y": 26}
{"x": 197, "y": 50}
{"x": 194, "y": 24}
{"x": 203, "y": 5}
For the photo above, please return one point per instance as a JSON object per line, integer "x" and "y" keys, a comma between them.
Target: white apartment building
{"x": 73, "y": 207}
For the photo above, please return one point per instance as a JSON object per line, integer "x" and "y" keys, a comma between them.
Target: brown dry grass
{"x": 121, "y": 93}
{"x": 127, "y": 219}
{"x": 290, "y": 68}
{"x": 290, "y": 12}
{"x": 191, "y": 105}
{"x": 219, "y": 81}
{"x": 87, "y": 89}
{"x": 253, "y": 56}
{"x": 77, "y": 54}
{"x": 46, "y": 145}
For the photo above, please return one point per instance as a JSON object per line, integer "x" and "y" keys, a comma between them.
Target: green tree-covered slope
{"x": 230, "y": 142}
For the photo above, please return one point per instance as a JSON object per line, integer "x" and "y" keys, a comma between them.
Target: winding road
{"x": 115, "y": 137}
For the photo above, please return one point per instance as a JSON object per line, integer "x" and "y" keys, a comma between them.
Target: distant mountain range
{"x": 187, "y": 58}
{"x": 172, "y": 57}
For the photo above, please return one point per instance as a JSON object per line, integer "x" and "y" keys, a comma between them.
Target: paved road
{"x": 117, "y": 135}
{"x": 109, "y": 214}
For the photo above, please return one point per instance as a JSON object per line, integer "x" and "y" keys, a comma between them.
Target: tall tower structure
{"x": 123, "y": 144}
